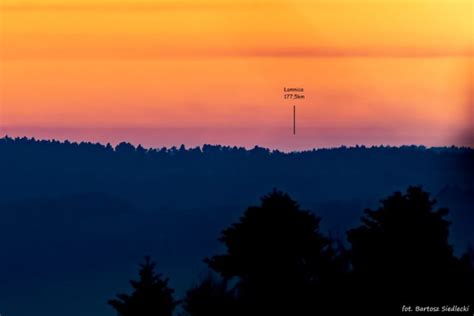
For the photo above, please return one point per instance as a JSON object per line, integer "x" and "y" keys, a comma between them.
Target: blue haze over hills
{"x": 75, "y": 219}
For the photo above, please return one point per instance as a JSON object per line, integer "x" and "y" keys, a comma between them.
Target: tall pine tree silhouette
{"x": 151, "y": 295}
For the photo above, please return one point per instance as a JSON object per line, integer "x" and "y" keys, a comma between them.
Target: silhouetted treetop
{"x": 151, "y": 295}
{"x": 211, "y": 298}
{"x": 277, "y": 235}
{"x": 279, "y": 257}
{"x": 401, "y": 253}
{"x": 405, "y": 224}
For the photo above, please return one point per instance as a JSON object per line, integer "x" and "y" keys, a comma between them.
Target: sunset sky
{"x": 162, "y": 73}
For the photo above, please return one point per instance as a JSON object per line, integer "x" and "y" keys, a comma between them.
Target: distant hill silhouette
{"x": 71, "y": 214}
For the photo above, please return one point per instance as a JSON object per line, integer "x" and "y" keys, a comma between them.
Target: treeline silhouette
{"x": 278, "y": 262}
{"x": 96, "y": 150}
{"x": 136, "y": 173}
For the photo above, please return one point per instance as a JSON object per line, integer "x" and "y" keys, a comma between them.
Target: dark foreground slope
{"x": 75, "y": 218}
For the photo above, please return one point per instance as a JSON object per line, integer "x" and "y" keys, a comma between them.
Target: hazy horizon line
{"x": 114, "y": 145}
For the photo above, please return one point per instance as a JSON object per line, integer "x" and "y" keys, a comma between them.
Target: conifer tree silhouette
{"x": 211, "y": 298}
{"x": 282, "y": 263}
{"x": 401, "y": 256}
{"x": 151, "y": 295}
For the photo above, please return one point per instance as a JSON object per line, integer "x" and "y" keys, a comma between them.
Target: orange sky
{"x": 193, "y": 72}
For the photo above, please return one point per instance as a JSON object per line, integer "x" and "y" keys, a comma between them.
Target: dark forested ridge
{"x": 75, "y": 218}
{"x": 48, "y": 168}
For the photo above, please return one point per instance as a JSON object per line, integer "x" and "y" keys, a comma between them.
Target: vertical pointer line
{"x": 294, "y": 119}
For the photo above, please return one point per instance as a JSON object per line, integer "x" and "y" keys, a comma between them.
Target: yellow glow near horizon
{"x": 399, "y": 64}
